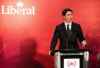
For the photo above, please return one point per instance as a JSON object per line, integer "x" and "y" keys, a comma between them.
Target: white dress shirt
{"x": 68, "y": 23}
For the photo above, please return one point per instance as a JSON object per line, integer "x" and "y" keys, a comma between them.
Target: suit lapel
{"x": 72, "y": 27}
{"x": 64, "y": 27}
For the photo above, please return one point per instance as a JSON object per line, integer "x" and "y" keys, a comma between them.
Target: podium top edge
{"x": 72, "y": 50}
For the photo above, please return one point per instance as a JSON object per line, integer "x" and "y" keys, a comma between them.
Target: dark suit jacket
{"x": 68, "y": 39}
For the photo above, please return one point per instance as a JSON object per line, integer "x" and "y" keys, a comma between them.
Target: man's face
{"x": 69, "y": 16}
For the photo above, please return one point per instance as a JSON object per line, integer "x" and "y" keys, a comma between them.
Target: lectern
{"x": 71, "y": 58}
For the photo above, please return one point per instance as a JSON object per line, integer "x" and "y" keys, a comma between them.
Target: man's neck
{"x": 68, "y": 21}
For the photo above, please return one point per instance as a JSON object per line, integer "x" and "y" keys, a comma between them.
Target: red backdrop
{"x": 17, "y": 31}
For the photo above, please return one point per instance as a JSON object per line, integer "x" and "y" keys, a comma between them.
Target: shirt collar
{"x": 66, "y": 23}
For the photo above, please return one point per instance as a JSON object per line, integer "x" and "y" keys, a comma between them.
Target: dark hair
{"x": 66, "y": 10}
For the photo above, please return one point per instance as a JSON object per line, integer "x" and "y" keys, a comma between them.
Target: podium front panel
{"x": 71, "y": 61}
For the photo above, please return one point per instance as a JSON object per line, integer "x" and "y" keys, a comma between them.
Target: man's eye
{"x": 69, "y": 14}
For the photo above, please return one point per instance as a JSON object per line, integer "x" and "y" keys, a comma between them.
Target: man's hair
{"x": 66, "y": 10}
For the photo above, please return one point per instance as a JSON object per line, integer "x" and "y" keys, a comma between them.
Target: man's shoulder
{"x": 60, "y": 25}
{"x": 75, "y": 23}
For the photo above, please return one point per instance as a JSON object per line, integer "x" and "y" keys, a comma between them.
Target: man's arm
{"x": 81, "y": 37}
{"x": 54, "y": 41}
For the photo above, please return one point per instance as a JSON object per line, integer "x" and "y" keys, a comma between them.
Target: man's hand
{"x": 84, "y": 43}
{"x": 51, "y": 52}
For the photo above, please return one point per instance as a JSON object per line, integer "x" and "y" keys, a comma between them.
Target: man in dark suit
{"x": 68, "y": 32}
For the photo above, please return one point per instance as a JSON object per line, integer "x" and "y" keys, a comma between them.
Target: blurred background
{"x": 25, "y": 40}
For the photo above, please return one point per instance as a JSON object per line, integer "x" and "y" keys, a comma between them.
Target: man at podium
{"x": 68, "y": 32}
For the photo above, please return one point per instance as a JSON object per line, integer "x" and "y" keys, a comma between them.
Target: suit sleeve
{"x": 80, "y": 34}
{"x": 54, "y": 39}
